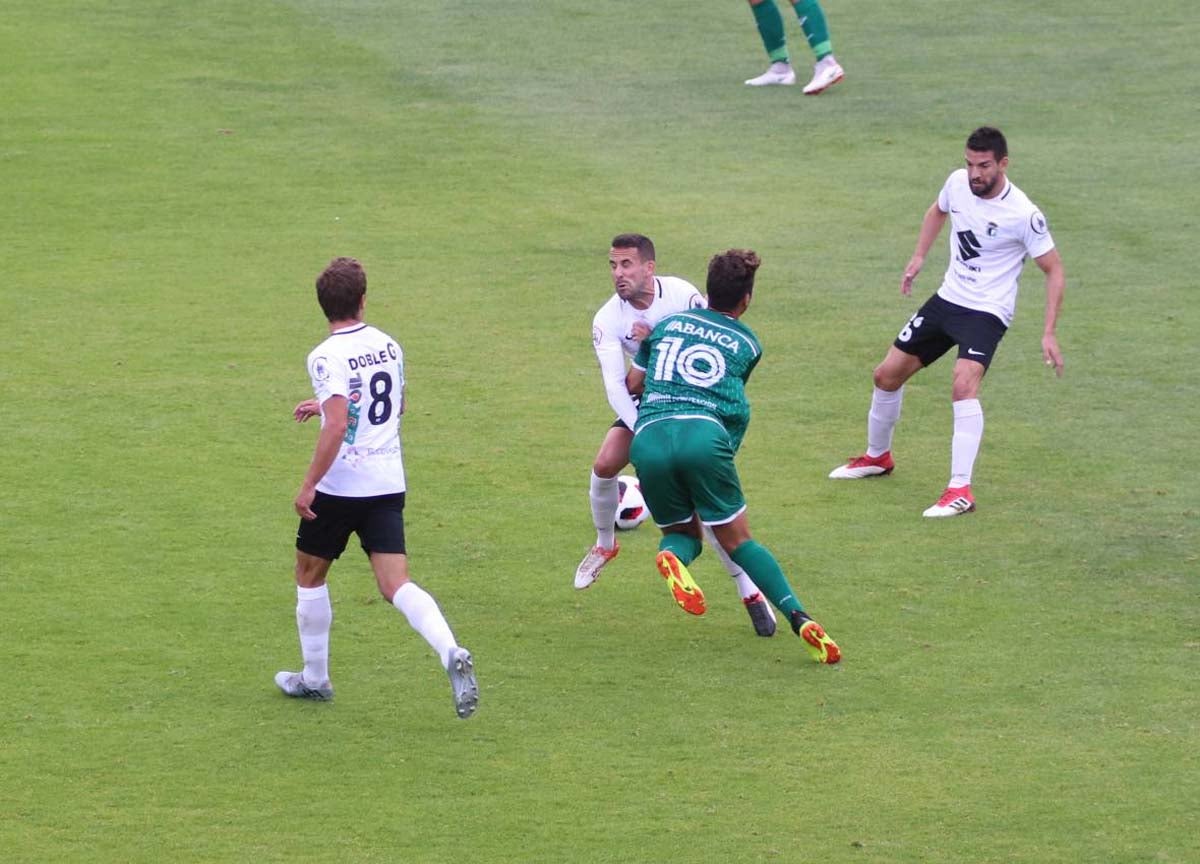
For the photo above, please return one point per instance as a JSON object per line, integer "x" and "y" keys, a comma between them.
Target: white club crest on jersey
{"x": 321, "y": 369}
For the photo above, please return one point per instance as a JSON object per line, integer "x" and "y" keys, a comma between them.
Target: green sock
{"x": 764, "y": 571}
{"x": 812, "y": 21}
{"x": 685, "y": 547}
{"x": 770, "y": 28}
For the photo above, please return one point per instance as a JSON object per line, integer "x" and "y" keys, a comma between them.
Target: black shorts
{"x": 378, "y": 521}
{"x": 940, "y": 324}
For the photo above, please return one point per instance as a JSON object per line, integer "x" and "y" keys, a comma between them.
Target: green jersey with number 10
{"x": 697, "y": 364}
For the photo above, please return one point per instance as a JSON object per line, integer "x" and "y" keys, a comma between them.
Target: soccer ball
{"x": 631, "y": 509}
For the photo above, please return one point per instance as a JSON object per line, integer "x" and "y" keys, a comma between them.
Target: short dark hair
{"x": 640, "y": 242}
{"x": 730, "y": 278}
{"x": 988, "y": 139}
{"x": 340, "y": 289}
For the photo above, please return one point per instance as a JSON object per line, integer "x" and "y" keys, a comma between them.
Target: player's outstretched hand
{"x": 910, "y": 274}
{"x": 307, "y": 408}
{"x": 1052, "y": 354}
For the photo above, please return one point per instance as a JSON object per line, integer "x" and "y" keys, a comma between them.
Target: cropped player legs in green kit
{"x": 686, "y": 467}
{"x": 769, "y": 21}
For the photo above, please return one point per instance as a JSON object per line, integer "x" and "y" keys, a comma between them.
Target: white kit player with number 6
{"x": 994, "y": 228}
{"x": 640, "y": 301}
{"x": 355, "y": 484}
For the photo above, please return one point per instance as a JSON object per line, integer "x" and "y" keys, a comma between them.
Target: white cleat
{"x": 777, "y": 73}
{"x": 593, "y": 562}
{"x": 462, "y": 682}
{"x": 954, "y": 502}
{"x": 292, "y": 684}
{"x": 826, "y": 73}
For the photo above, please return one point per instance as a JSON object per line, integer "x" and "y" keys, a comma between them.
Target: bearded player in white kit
{"x": 355, "y": 484}
{"x": 994, "y": 227}
{"x": 640, "y": 301}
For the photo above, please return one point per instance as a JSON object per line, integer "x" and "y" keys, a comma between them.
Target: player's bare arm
{"x": 931, "y": 227}
{"x": 329, "y": 442}
{"x": 1056, "y": 286}
{"x": 640, "y": 330}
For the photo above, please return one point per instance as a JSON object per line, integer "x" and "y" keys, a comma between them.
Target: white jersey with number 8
{"x": 365, "y": 366}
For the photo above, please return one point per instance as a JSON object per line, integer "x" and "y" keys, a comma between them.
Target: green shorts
{"x": 686, "y": 466}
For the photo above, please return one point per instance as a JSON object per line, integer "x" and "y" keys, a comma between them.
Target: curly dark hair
{"x": 730, "y": 278}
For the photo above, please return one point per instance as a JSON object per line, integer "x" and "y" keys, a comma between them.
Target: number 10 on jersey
{"x": 698, "y": 365}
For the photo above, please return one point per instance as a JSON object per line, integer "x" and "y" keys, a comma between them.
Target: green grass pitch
{"x": 1019, "y": 685}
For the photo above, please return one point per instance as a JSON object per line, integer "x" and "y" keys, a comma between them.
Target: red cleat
{"x": 954, "y": 502}
{"x": 864, "y": 466}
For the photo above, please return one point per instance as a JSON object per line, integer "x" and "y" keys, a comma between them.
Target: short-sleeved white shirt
{"x": 989, "y": 240}
{"x": 366, "y": 366}
{"x": 612, "y": 335}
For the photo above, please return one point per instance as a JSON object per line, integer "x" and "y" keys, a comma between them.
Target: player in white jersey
{"x": 640, "y": 301}
{"x": 994, "y": 228}
{"x": 355, "y": 484}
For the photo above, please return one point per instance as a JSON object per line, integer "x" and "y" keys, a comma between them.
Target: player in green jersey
{"x": 691, "y": 372}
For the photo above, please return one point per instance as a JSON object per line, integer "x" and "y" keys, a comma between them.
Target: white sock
{"x": 314, "y": 617}
{"x": 882, "y": 418}
{"x": 605, "y": 496}
{"x": 964, "y": 446}
{"x": 745, "y": 587}
{"x": 425, "y": 617}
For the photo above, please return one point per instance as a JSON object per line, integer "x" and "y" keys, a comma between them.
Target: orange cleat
{"x": 816, "y": 640}
{"x": 683, "y": 587}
